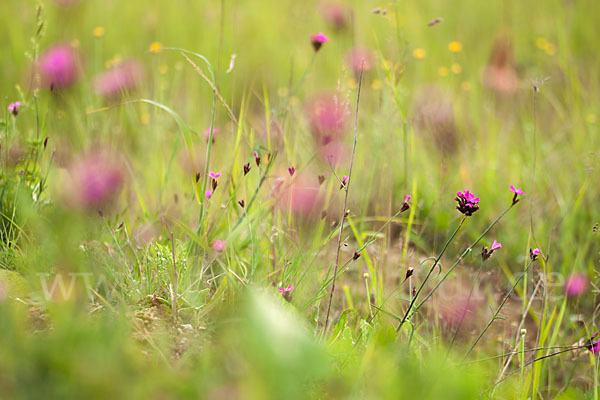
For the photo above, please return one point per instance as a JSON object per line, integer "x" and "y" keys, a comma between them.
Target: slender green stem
{"x": 497, "y": 311}
{"x": 463, "y": 255}
{"x": 437, "y": 260}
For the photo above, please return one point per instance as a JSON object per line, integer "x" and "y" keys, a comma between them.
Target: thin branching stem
{"x": 346, "y": 190}
{"x": 435, "y": 264}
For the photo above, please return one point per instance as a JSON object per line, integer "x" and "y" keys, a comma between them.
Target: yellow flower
{"x": 352, "y": 84}
{"x": 75, "y": 43}
{"x": 443, "y": 71}
{"x": 455, "y": 47}
{"x": 550, "y": 49}
{"x": 456, "y": 68}
{"x": 466, "y": 86}
{"x": 98, "y": 31}
{"x": 419, "y": 53}
{"x": 145, "y": 119}
{"x": 541, "y": 43}
{"x": 387, "y": 65}
{"x": 376, "y": 84}
{"x": 156, "y": 47}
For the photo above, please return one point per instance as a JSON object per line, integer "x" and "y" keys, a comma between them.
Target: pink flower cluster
{"x": 467, "y": 202}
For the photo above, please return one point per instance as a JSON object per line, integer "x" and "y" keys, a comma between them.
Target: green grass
{"x": 136, "y": 303}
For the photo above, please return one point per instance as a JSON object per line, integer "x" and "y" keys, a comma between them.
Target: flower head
{"x": 286, "y": 289}
{"x": 214, "y": 132}
{"x": 121, "y": 78}
{"x": 96, "y": 181}
{"x": 467, "y": 202}
{"x": 518, "y": 192}
{"x": 593, "y": 345}
{"x": 344, "y": 181}
{"x": 533, "y": 254}
{"x": 487, "y": 253}
{"x": 219, "y": 245}
{"x": 336, "y": 14}
{"x": 214, "y": 175}
{"x": 14, "y": 108}
{"x": 359, "y": 57}
{"x": 406, "y": 204}
{"x": 58, "y": 66}
{"x": 318, "y": 40}
{"x": 576, "y": 285}
{"x": 208, "y": 194}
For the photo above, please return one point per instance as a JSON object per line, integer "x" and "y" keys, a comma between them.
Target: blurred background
{"x": 128, "y": 271}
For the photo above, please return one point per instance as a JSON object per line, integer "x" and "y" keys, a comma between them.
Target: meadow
{"x": 299, "y": 199}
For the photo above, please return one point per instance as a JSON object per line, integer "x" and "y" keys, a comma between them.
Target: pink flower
{"x": 219, "y": 245}
{"x": 214, "y": 175}
{"x": 406, "y": 204}
{"x": 14, "y": 108}
{"x": 214, "y": 131}
{"x": 97, "y": 179}
{"x": 576, "y": 285}
{"x": 328, "y": 115}
{"x": 518, "y": 192}
{"x": 467, "y": 202}
{"x": 318, "y": 40}
{"x": 302, "y": 195}
{"x": 208, "y": 194}
{"x": 594, "y": 345}
{"x": 337, "y": 14}
{"x": 58, "y": 66}
{"x": 285, "y": 290}
{"x": 485, "y": 253}
{"x": 533, "y": 254}
{"x": 117, "y": 80}
{"x": 358, "y": 58}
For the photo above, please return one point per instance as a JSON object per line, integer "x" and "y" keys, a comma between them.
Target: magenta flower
{"x": 336, "y": 14}
{"x": 214, "y": 131}
{"x": 328, "y": 115}
{"x": 214, "y": 175}
{"x": 576, "y": 285}
{"x": 302, "y": 196}
{"x": 318, "y": 40}
{"x": 208, "y": 194}
{"x": 406, "y": 204}
{"x": 467, "y": 202}
{"x": 257, "y": 159}
{"x": 292, "y": 170}
{"x": 593, "y": 345}
{"x": 533, "y": 254}
{"x": 14, "y": 108}
{"x": 359, "y": 57}
{"x": 517, "y": 192}
{"x": 119, "y": 79}
{"x": 97, "y": 179}
{"x": 487, "y": 253}
{"x": 219, "y": 245}
{"x": 344, "y": 181}
{"x": 58, "y": 66}
{"x": 285, "y": 290}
